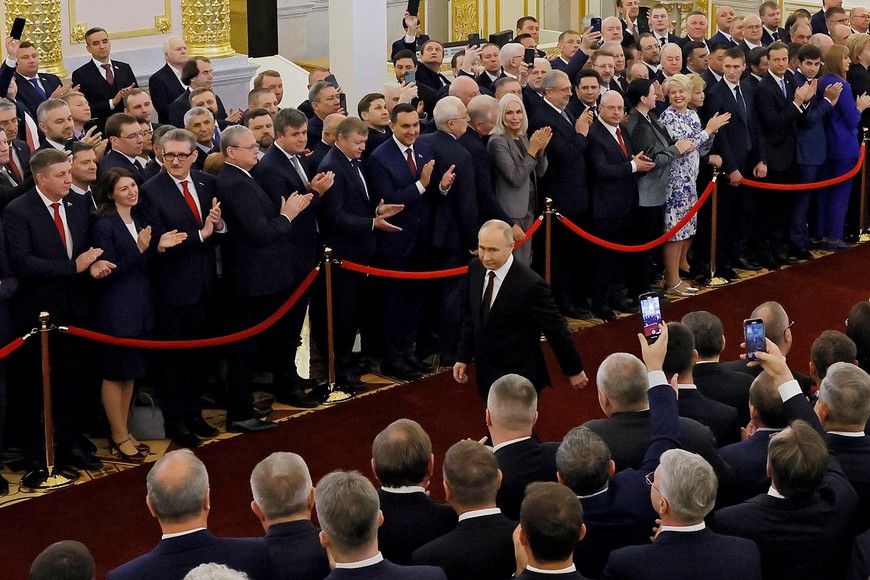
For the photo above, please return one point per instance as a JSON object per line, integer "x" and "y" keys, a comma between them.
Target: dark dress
{"x": 124, "y": 305}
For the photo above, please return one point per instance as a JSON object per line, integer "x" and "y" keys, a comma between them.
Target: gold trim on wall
{"x": 466, "y": 19}
{"x": 162, "y": 25}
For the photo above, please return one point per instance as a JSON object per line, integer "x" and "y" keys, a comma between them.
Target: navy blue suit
{"x": 748, "y": 459}
{"x": 413, "y": 47}
{"x": 315, "y": 131}
{"x": 853, "y": 453}
{"x": 113, "y": 159}
{"x": 859, "y": 567}
{"x": 98, "y": 92}
{"x": 767, "y": 37}
{"x": 296, "y": 551}
{"x": 720, "y": 38}
{"x": 820, "y": 26}
{"x": 411, "y": 520}
{"x": 386, "y": 570}
{"x": 522, "y": 463}
{"x": 722, "y": 420}
{"x": 728, "y": 387}
{"x": 173, "y": 558}
{"x": 164, "y": 87}
{"x": 29, "y": 96}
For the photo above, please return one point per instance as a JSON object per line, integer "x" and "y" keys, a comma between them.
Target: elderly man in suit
{"x": 683, "y": 491}
{"x": 12, "y": 182}
{"x": 481, "y": 546}
{"x": 184, "y": 280}
{"x": 102, "y": 80}
{"x": 165, "y": 85}
{"x": 347, "y": 509}
{"x": 49, "y": 244}
{"x": 178, "y": 497}
{"x": 283, "y": 500}
{"x": 402, "y": 462}
{"x": 505, "y": 308}
{"x": 551, "y": 524}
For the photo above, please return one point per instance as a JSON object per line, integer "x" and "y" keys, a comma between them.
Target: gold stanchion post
{"x": 715, "y": 281}
{"x": 49, "y": 477}
{"x": 863, "y": 233}
{"x": 548, "y": 241}
{"x": 334, "y": 394}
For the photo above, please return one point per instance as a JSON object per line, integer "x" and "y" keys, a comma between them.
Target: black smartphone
{"x": 596, "y": 24}
{"x": 414, "y": 7}
{"x": 529, "y": 56}
{"x": 68, "y": 143}
{"x": 342, "y": 100}
{"x": 17, "y": 28}
{"x": 331, "y": 80}
{"x": 651, "y": 312}
{"x": 90, "y": 123}
{"x": 474, "y": 40}
{"x": 753, "y": 335}
{"x": 410, "y": 77}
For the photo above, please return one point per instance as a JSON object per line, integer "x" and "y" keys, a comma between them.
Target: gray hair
{"x": 483, "y": 108}
{"x": 214, "y": 571}
{"x": 316, "y": 89}
{"x": 551, "y": 79}
{"x": 446, "y": 110}
{"x": 512, "y": 402}
{"x": 231, "y": 136}
{"x": 169, "y": 40}
{"x": 543, "y": 62}
{"x": 845, "y": 390}
{"x": 178, "y": 501}
{"x": 47, "y": 107}
{"x": 613, "y": 47}
{"x": 689, "y": 484}
{"x": 180, "y": 135}
{"x": 504, "y": 227}
{"x": 509, "y": 51}
{"x": 196, "y": 112}
{"x": 347, "y": 509}
{"x": 6, "y": 104}
{"x": 623, "y": 378}
{"x": 583, "y": 460}
{"x": 281, "y": 485}
{"x": 503, "y": 103}
{"x": 456, "y": 85}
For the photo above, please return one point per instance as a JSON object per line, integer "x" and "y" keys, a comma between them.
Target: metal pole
{"x": 863, "y": 234}
{"x": 548, "y": 241}
{"x": 715, "y": 280}
{"x": 335, "y": 394}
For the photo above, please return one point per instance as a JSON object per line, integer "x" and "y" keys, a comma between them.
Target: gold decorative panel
{"x": 43, "y": 29}
{"x": 466, "y": 19}
{"x": 206, "y": 25}
{"x": 162, "y": 25}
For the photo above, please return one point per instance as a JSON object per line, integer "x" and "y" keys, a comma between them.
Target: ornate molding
{"x": 162, "y": 25}
{"x": 206, "y": 25}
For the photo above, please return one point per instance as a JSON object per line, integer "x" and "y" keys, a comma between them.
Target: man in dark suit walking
{"x": 184, "y": 279}
{"x": 347, "y": 509}
{"x": 165, "y": 85}
{"x": 103, "y": 81}
{"x": 178, "y": 496}
{"x": 403, "y": 463}
{"x": 283, "y": 500}
{"x": 481, "y": 546}
{"x": 505, "y": 308}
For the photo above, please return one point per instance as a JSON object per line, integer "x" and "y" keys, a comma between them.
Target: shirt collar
{"x": 99, "y": 64}
{"x": 687, "y": 386}
{"x": 502, "y": 271}
{"x": 750, "y": 44}
{"x": 187, "y": 179}
{"x": 376, "y": 559}
{"x": 606, "y": 487}
{"x": 558, "y": 110}
{"x": 289, "y": 156}
{"x": 479, "y": 513}
{"x": 772, "y": 492}
{"x": 730, "y": 85}
{"x": 402, "y": 147}
{"x": 847, "y": 433}
{"x": 568, "y": 570}
{"x": 47, "y": 201}
{"x": 55, "y": 144}
{"x": 692, "y": 528}
{"x": 239, "y": 168}
{"x": 504, "y": 444}
{"x": 404, "y": 489}
{"x": 178, "y": 534}
{"x": 76, "y": 189}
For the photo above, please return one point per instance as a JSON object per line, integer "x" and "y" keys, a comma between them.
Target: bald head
{"x": 840, "y": 33}
{"x": 776, "y": 324}
{"x": 178, "y": 488}
{"x": 466, "y": 88}
{"x": 330, "y": 125}
{"x": 823, "y": 41}
{"x": 611, "y": 29}
{"x": 724, "y": 16}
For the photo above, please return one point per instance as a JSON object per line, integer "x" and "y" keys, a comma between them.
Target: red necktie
{"x": 621, "y": 142}
{"x": 189, "y": 199}
{"x": 58, "y": 221}
{"x": 110, "y": 76}
{"x": 410, "y": 158}
{"x": 13, "y": 166}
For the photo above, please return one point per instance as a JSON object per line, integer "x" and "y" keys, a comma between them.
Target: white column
{"x": 358, "y": 47}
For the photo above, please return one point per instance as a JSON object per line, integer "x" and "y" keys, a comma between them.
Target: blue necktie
{"x": 35, "y": 83}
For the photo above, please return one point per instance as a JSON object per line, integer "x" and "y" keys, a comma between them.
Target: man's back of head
{"x": 688, "y": 485}
{"x": 402, "y": 454}
{"x": 708, "y": 333}
{"x": 349, "y": 515}
{"x": 583, "y": 461}
{"x": 680, "y": 355}
{"x": 797, "y": 459}
{"x": 831, "y": 347}
{"x": 512, "y": 404}
{"x": 178, "y": 488}
{"x": 844, "y": 398}
{"x": 552, "y": 522}
{"x": 214, "y": 571}
{"x": 776, "y": 324}
{"x": 765, "y": 403}
{"x": 622, "y": 384}
{"x": 66, "y": 560}
{"x": 281, "y": 487}
{"x": 471, "y": 476}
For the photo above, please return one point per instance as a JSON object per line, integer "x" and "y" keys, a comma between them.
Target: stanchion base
{"x": 52, "y": 478}
{"x": 337, "y": 396}
{"x": 717, "y": 282}
{"x": 330, "y": 394}
{"x": 864, "y": 238}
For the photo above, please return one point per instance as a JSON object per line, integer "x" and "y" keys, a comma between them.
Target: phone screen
{"x": 596, "y": 25}
{"x": 651, "y": 312}
{"x": 332, "y": 80}
{"x": 17, "y": 28}
{"x": 753, "y": 333}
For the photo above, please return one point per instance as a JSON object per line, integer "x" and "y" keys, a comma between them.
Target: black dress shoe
{"x": 261, "y": 413}
{"x": 77, "y": 458}
{"x": 303, "y": 384}
{"x": 184, "y": 439}
{"x": 86, "y": 444}
{"x": 418, "y": 364}
{"x": 251, "y": 425}
{"x": 727, "y": 272}
{"x": 298, "y": 398}
{"x": 606, "y": 315}
{"x": 400, "y": 369}
{"x": 785, "y": 259}
{"x": 200, "y": 428}
{"x": 802, "y": 254}
{"x": 4, "y": 486}
{"x": 747, "y": 264}
{"x": 349, "y": 381}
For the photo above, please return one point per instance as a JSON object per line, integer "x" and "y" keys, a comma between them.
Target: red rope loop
{"x": 815, "y": 185}
{"x": 202, "y": 343}
{"x": 649, "y": 245}
{"x": 14, "y": 345}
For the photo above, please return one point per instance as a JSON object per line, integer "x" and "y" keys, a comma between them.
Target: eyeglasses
{"x": 253, "y": 147}
{"x": 650, "y": 481}
{"x": 173, "y": 156}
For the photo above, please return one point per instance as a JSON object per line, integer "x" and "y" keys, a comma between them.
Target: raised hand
{"x": 384, "y": 211}
{"x": 653, "y": 355}
{"x": 322, "y": 182}
{"x": 448, "y": 179}
{"x": 426, "y": 173}
{"x": 234, "y": 115}
{"x": 295, "y": 204}
{"x": 170, "y": 239}
{"x": 86, "y": 258}
{"x": 832, "y": 92}
{"x": 12, "y": 48}
{"x": 143, "y": 240}
{"x": 539, "y": 140}
{"x": 214, "y": 214}
{"x": 716, "y": 122}
{"x": 119, "y": 96}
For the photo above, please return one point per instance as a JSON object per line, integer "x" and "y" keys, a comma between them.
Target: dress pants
{"x": 445, "y": 298}
{"x": 799, "y": 233}
{"x": 648, "y": 225}
{"x": 401, "y": 306}
{"x": 775, "y": 209}
{"x": 833, "y": 201}
{"x": 608, "y": 265}
{"x": 570, "y": 260}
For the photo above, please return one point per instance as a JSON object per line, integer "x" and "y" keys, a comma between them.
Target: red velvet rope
{"x": 815, "y": 185}
{"x": 354, "y": 267}
{"x": 13, "y": 346}
{"x": 202, "y": 343}
{"x": 649, "y": 245}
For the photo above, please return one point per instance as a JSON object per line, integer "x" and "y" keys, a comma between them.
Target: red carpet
{"x": 109, "y": 515}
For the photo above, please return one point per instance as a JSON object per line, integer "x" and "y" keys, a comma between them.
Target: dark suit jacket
{"x": 566, "y": 158}
{"x": 98, "y": 92}
{"x": 767, "y": 38}
{"x": 859, "y": 79}
{"x": 529, "y": 575}
{"x": 740, "y": 142}
{"x": 256, "y": 238}
{"x": 509, "y": 339}
{"x": 185, "y": 274}
{"x": 386, "y": 570}
{"x": 614, "y": 186}
{"x": 305, "y": 107}
{"x": 748, "y": 459}
{"x": 8, "y": 192}
{"x": 489, "y": 208}
{"x": 433, "y": 80}
{"x": 29, "y": 96}
{"x": 388, "y": 167}
{"x": 172, "y": 559}
{"x": 124, "y": 305}
{"x": 456, "y": 214}
{"x": 164, "y": 87}
{"x": 728, "y": 387}
{"x": 181, "y": 105}
{"x": 720, "y": 38}
{"x": 480, "y": 547}
{"x": 296, "y": 552}
{"x": 48, "y": 277}
{"x": 315, "y": 130}
{"x": 411, "y": 520}
{"x": 114, "y": 159}
{"x": 859, "y": 567}
{"x": 318, "y": 152}
{"x": 853, "y": 454}
{"x": 278, "y": 178}
{"x": 722, "y": 420}
{"x": 152, "y": 168}
{"x": 628, "y": 38}
{"x": 702, "y": 554}
{"x": 413, "y": 47}
{"x": 779, "y": 120}
{"x": 740, "y": 366}
{"x": 818, "y": 22}
{"x": 523, "y": 463}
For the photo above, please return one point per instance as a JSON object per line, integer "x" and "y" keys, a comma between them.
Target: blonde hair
{"x": 698, "y": 83}
{"x": 500, "y": 128}
{"x": 679, "y": 80}
{"x": 857, "y": 43}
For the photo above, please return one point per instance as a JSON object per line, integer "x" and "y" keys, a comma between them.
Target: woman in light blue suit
{"x": 517, "y": 163}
